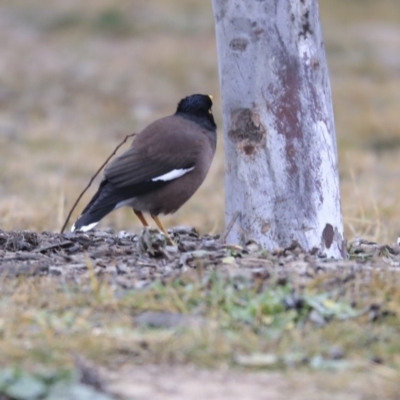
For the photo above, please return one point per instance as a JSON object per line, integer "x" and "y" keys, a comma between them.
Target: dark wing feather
{"x": 107, "y": 197}
{"x": 134, "y": 167}
{"x": 104, "y": 197}
{"x": 167, "y": 144}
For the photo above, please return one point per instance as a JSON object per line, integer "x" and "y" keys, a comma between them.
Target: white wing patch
{"x": 84, "y": 228}
{"x": 171, "y": 175}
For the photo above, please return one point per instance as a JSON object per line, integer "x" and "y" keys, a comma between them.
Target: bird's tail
{"x": 102, "y": 203}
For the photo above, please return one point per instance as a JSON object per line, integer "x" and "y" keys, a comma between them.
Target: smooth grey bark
{"x": 280, "y": 145}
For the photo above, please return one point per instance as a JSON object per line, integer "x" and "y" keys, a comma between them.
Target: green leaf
{"x": 330, "y": 308}
{"x": 26, "y": 387}
{"x": 7, "y": 376}
{"x": 320, "y": 363}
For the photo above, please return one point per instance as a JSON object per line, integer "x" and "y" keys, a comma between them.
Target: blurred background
{"x": 76, "y": 77}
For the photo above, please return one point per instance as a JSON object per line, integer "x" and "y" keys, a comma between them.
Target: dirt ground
{"x": 159, "y": 383}
{"x": 132, "y": 263}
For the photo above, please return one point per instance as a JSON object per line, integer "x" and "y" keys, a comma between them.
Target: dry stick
{"x": 230, "y": 226}
{"x": 92, "y": 179}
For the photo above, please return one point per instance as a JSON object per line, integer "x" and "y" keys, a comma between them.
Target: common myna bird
{"x": 165, "y": 165}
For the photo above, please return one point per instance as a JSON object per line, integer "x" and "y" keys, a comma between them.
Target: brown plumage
{"x": 165, "y": 165}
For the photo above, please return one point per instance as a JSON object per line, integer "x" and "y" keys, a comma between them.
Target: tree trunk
{"x": 280, "y": 145}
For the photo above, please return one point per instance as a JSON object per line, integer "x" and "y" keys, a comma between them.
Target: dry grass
{"x": 75, "y": 85}
{"x": 76, "y": 78}
{"x": 232, "y": 318}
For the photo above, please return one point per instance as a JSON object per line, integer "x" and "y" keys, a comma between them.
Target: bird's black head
{"x": 197, "y": 107}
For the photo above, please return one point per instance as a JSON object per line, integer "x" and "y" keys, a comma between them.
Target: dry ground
{"x": 74, "y": 80}
{"x": 140, "y": 320}
{"x": 159, "y": 383}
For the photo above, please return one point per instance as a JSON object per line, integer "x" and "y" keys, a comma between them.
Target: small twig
{"x": 230, "y": 226}
{"x": 24, "y": 257}
{"x": 93, "y": 178}
{"x": 64, "y": 244}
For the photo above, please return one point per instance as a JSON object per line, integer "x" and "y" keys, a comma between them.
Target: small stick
{"x": 92, "y": 179}
{"x": 230, "y": 226}
{"x": 66, "y": 243}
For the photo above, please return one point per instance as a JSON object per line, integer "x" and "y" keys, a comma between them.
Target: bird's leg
{"x": 140, "y": 215}
{"x": 162, "y": 229}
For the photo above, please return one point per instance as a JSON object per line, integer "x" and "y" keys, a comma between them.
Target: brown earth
{"x": 167, "y": 383}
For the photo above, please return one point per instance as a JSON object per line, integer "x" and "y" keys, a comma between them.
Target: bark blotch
{"x": 246, "y": 126}
{"x": 265, "y": 227}
{"x": 239, "y": 44}
{"x": 328, "y": 235}
{"x": 222, "y": 9}
{"x": 287, "y": 109}
{"x": 305, "y": 25}
{"x": 248, "y": 28}
{"x": 248, "y": 149}
{"x": 257, "y": 33}
{"x": 289, "y": 115}
{"x": 314, "y": 62}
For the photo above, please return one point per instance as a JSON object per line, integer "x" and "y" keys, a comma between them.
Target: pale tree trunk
{"x": 280, "y": 145}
